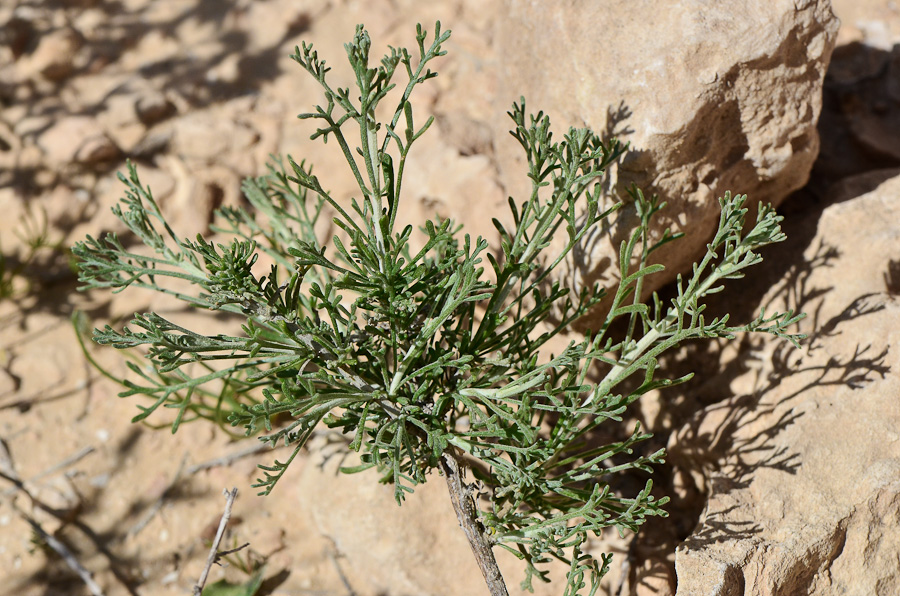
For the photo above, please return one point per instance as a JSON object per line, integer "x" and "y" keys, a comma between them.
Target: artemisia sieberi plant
{"x": 420, "y": 357}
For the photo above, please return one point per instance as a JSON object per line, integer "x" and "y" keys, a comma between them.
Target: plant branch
{"x": 64, "y": 553}
{"x": 213, "y": 554}
{"x": 466, "y": 513}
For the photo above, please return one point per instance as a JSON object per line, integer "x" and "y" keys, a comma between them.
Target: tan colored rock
{"x": 207, "y": 136}
{"x": 710, "y": 96}
{"x": 55, "y": 56}
{"x": 77, "y": 139}
{"x": 65, "y": 207}
{"x": 119, "y": 120}
{"x": 153, "y": 107}
{"x": 804, "y": 472}
{"x": 874, "y": 23}
{"x": 390, "y": 549}
{"x": 96, "y": 149}
{"x": 152, "y": 143}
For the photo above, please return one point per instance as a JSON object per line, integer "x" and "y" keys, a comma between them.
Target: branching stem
{"x": 466, "y": 513}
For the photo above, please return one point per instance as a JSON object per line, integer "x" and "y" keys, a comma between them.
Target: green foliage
{"x": 413, "y": 351}
{"x": 226, "y": 588}
{"x": 35, "y": 238}
{"x": 251, "y": 565}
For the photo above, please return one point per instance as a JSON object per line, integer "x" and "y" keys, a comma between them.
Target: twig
{"x": 63, "y": 552}
{"x": 225, "y": 553}
{"x": 342, "y": 576}
{"x": 213, "y": 554}
{"x": 464, "y": 505}
{"x": 228, "y": 459}
{"x": 52, "y": 470}
{"x": 9, "y": 474}
{"x": 84, "y": 452}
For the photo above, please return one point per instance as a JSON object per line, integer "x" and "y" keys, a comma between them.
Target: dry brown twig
{"x": 72, "y": 459}
{"x": 63, "y": 552}
{"x": 227, "y": 460}
{"x": 214, "y": 548}
{"x": 466, "y": 514}
{"x": 8, "y": 473}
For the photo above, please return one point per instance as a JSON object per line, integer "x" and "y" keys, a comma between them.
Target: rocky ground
{"x": 784, "y": 465}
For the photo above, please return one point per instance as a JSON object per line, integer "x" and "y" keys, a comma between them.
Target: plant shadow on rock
{"x": 858, "y": 136}
{"x": 582, "y": 269}
{"x": 726, "y": 463}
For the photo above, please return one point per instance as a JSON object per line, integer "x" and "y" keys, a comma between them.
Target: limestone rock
{"x": 54, "y": 58}
{"x": 390, "y": 546}
{"x": 152, "y": 143}
{"x": 871, "y": 22}
{"x": 804, "y": 471}
{"x": 77, "y": 139}
{"x": 208, "y": 136}
{"x": 710, "y": 96}
{"x": 95, "y": 149}
{"x": 153, "y": 107}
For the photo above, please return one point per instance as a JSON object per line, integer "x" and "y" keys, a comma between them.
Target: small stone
{"x": 77, "y": 139}
{"x": 96, "y": 149}
{"x": 206, "y": 136}
{"x": 151, "y": 144}
{"x": 153, "y": 108}
{"x": 54, "y": 56}
{"x": 63, "y": 207}
{"x": 228, "y": 72}
{"x": 60, "y": 142}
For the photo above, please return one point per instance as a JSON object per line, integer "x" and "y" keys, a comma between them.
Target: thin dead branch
{"x": 220, "y": 533}
{"x": 63, "y": 552}
{"x": 227, "y": 460}
{"x": 72, "y": 459}
{"x": 9, "y": 474}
